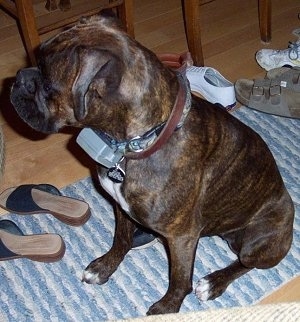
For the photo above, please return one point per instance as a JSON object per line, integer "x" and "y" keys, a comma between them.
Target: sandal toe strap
{"x": 10, "y": 227}
{"x": 265, "y": 91}
{"x": 21, "y": 200}
{"x": 5, "y": 252}
{"x": 269, "y": 96}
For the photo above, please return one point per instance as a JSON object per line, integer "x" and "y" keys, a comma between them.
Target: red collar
{"x": 178, "y": 62}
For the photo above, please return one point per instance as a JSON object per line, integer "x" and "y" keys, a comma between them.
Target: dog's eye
{"x": 47, "y": 87}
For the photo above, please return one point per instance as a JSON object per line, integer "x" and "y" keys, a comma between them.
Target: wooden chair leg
{"x": 265, "y": 15}
{"x": 28, "y": 26}
{"x": 191, "y": 10}
{"x": 125, "y": 13}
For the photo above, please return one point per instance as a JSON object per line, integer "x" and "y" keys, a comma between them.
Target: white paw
{"x": 90, "y": 278}
{"x": 203, "y": 290}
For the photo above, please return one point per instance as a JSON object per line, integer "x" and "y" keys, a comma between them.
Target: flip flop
{"x": 42, "y": 248}
{"x": 268, "y": 96}
{"x": 45, "y": 199}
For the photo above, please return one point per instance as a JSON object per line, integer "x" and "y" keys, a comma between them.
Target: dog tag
{"x": 116, "y": 174}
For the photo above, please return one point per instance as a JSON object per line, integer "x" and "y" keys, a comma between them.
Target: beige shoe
{"x": 289, "y": 77}
{"x": 269, "y": 96}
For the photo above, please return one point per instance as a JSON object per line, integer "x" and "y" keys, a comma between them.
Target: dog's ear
{"x": 99, "y": 73}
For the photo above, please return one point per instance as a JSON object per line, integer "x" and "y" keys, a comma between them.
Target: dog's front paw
{"x": 92, "y": 277}
{"x": 210, "y": 287}
{"x": 203, "y": 290}
{"x": 95, "y": 273}
{"x": 160, "y": 308}
{"x": 168, "y": 304}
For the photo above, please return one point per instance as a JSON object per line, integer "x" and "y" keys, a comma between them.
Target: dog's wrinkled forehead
{"x": 92, "y": 31}
{"x": 103, "y": 33}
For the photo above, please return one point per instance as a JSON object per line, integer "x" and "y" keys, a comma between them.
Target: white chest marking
{"x": 114, "y": 189}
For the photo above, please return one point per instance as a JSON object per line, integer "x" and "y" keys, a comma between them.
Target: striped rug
{"x": 32, "y": 291}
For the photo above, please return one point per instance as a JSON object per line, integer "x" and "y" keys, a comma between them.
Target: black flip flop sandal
{"x": 45, "y": 199}
{"x": 42, "y": 248}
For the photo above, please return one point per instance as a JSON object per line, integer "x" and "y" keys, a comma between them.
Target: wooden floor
{"x": 230, "y": 36}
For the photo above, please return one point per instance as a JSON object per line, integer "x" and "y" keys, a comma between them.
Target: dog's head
{"x": 92, "y": 74}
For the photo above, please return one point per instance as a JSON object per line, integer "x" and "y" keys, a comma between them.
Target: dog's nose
{"x": 27, "y": 79}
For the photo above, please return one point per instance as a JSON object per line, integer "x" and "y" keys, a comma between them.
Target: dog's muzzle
{"x": 27, "y": 82}
{"x": 28, "y": 98}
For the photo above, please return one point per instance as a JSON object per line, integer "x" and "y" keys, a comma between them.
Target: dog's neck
{"x": 140, "y": 131}
{"x": 152, "y": 140}
{"x": 161, "y": 133}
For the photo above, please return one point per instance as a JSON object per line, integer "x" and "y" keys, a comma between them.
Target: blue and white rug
{"x": 32, "y": 291}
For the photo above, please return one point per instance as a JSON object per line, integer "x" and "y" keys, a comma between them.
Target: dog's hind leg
{"x": 99, "y": 270}
{"x": 262, "y": 244}
{"x": 214, "y": 284}
{"x": 181, "y": 257}
{"x": 268, "y": 236}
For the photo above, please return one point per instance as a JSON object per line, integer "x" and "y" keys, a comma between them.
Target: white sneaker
{"x": 210, "y": 84}
{"x": 270, "y": 58}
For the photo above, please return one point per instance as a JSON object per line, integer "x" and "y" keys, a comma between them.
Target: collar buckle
{"x": 134, "y": 144}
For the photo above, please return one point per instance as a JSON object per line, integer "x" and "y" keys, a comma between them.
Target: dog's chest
{"x": 114, "y": 189}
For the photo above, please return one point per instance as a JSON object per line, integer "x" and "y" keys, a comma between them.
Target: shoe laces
{"x": 199, "y": 70}
{"x": 294, "y": 50}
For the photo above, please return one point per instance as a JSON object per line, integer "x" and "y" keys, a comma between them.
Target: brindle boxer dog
{"x": 212, "y": 175}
